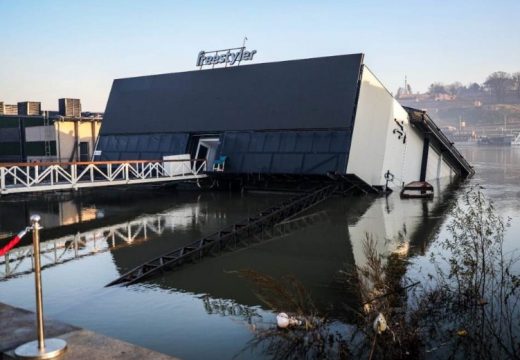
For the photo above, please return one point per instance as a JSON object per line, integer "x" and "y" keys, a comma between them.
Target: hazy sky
{"x": 53, "y": 49}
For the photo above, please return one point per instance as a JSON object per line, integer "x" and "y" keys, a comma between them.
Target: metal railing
{"x": 76, "y": 246}
{"x": 48, "y": 176}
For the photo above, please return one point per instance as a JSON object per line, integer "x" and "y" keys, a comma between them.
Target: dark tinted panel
{"x": 314, "y": 93}
{"x": 295, "y": 152}
{"x": 141, "y": 147}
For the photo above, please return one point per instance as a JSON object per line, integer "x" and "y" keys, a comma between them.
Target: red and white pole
{"x": 13, "y": 242}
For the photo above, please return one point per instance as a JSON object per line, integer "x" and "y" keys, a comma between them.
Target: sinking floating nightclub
{"x": 327, "y": 116}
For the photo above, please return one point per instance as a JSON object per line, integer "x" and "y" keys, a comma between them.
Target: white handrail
{"x": 35, "y": 177}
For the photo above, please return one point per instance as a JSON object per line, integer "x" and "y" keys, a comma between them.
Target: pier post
{"x": 2, "y": 178}
{"x": 41, "y": 348}
{"x": 424, "y": 161}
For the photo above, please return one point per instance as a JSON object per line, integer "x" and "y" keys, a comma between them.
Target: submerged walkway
{"x": 17, "y": 326}
{"x": 52, "y": 176}
{"x": 237, "y": 234}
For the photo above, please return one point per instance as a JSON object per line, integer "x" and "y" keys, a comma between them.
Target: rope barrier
{"x": 14, "y": 241}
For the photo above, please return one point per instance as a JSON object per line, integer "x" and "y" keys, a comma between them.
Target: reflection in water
{"x": 225, "y": 307}
{"x": 55, "y": 211}
{"x": 312, "y": 253}
{"x": 202, "y": 309}
{"x": 402, "y": 225}
{"x": 75, "y": 246}
{"x": 317, "y": 253}
{"x": 314, "y": 248}
{"x": 66, "y": 213}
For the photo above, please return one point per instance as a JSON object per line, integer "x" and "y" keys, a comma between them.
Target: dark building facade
{"x": 289, "y": 117}
{"x": 310, "y": 116}
{"x": 13, "y": 143}
{"x": 26, "y": 138}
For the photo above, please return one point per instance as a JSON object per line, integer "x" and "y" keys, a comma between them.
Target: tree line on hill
{"x": 500, "y": 84}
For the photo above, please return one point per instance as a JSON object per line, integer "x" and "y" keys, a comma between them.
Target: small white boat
{"x": 516, "y": 141}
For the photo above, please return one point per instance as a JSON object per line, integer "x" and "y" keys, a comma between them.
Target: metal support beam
{"x": 424, "y": 161}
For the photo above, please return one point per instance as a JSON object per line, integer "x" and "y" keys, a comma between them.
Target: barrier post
{"x": 41, "y": 348}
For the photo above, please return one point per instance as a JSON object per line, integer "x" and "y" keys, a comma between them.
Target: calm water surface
{"x": 205, "y": 310}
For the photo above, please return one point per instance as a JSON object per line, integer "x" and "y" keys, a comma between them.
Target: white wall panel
{"x": 403, "y": 159}
{"x": 391, "y": 222}
{"x": 446, "y": 170}
{"x": 40, "y": 133}
{"x": 413, "y": 155}
{"x": 376, "y": 146}
{"x": 433, "y": 166}
{"x": 437, "y": 168}
{"x": 373, "y": 115}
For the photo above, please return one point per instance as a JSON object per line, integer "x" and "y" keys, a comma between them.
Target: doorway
{"x": 84, "y": 151}
{"x": 207, "y": 149}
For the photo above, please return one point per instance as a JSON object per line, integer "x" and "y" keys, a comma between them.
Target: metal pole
{"x": 243, "y": 49}
{"x": 35, "y": 222}
{"x": 41, "y": 348}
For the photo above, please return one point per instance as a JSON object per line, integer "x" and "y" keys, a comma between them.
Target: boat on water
{"x": 468, "y": 142}
{"x": 417, "y": 189}
{"x": 500, "y": 140}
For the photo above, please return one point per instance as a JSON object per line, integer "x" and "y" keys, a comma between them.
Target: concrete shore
{"x": 18, "y": 326}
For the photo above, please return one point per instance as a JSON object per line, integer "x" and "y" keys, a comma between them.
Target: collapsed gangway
{"x": 236, "y": 235}
{"x": 51, "y": 176}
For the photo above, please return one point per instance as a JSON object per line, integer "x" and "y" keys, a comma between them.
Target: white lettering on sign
{"x": 228, "y": 57}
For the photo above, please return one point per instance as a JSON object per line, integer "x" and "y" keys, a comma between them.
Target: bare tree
{"x": 436, "y": 89}
{"x": 454, "y": 88}
{"x": 474, "y": 87}
{"x": 499, "y": 82}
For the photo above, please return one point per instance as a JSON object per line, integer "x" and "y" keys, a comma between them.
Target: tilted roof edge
{"x": 230, "y": 68}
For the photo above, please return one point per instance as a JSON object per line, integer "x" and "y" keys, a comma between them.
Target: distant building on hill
{"x": 444, "y": 97}
{"x": 405, "y": 92}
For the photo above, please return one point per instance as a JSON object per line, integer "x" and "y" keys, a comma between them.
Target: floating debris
{"x": 417, "y": 189}
{"x": 284, "y": 321}
{"x": 380, "y": 325}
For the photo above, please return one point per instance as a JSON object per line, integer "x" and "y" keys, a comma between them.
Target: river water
{"x": 206, "y": 310}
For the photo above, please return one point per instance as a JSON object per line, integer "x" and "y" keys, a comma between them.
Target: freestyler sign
{"x": 228, "y": 57}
